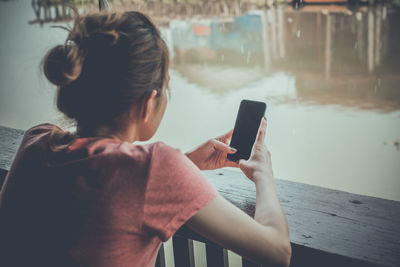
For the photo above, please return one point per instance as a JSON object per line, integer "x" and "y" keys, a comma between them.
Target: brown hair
{"x": 109, "y": 63}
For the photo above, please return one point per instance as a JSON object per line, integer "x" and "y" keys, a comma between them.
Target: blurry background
{"x": 330, "y": 74}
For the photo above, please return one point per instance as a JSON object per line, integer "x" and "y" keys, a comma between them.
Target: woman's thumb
{"x": 246, "y": 169}
{"x": 242, "y": 164}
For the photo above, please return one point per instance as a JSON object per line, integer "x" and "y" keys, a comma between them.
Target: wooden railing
{"x": 327, "y": 227}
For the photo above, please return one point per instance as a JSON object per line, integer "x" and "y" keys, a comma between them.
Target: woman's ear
{"x": 149, "y": 106}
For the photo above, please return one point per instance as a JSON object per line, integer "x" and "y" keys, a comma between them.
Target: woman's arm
{"x": 264, "y": 239}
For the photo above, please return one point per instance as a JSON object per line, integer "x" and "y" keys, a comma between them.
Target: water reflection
{"x": 330, "y": 78}
{"x": 52, "y": 11}
{"x": 338, "y": 56}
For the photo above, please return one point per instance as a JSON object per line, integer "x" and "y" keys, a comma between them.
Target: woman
{"x": 92, "y": 198}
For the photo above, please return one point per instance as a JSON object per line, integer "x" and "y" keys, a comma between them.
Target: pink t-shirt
{"x": 94, "y": 201}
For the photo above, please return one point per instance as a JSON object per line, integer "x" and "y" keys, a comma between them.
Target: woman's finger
{"x": 222, "y": 147}
{"x": 261, "y": 131}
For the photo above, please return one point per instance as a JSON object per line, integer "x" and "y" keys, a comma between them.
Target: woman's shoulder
{"x": 155, "y": 151}
{"x": 166, "y": 158}
{"x": 161, "y": 147}
{"x": 65, "y": 146}
{"x": 160, "y": 150}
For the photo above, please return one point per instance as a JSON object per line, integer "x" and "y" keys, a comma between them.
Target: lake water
{"x": 329, "y": 75}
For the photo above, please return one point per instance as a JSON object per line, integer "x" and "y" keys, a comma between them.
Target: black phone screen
{"x": 246, "y": 127}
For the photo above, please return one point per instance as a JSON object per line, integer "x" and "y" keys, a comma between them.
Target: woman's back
{"x": 71, "y": 201}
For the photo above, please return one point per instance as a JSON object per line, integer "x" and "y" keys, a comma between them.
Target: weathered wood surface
{"x": 9, "y": 143}
{"x": 327, "y": 227}
{"x": 359, "y": 229}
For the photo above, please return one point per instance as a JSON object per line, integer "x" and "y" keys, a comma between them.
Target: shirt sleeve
{"x": 176, "y": 190}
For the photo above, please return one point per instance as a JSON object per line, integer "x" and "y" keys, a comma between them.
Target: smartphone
{"x": 246, "y": 127}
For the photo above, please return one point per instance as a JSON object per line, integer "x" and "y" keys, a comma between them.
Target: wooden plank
{"x": 327, "y": 227}
{"x": 160, "y": 262}
{"x": 216, "y": 256}
{"x": 9, "y": 143}
{"x": 183, "y": 251}
{"x": 303, "y": 256}
{"x": 348, "y": 225}
{"x": 347, "y": 229}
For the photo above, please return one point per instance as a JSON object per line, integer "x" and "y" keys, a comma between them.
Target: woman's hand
{"x": 264, "y": 240}
{"x": 259, "y": 165}
{"x": 212, "y": 154}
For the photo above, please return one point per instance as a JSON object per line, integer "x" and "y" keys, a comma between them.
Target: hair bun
{"x": 62, "y": 64}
